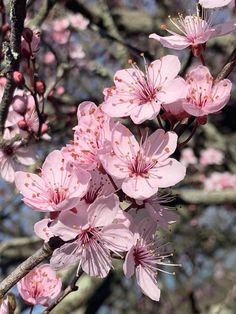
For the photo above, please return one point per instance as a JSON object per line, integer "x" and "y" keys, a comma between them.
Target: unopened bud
{"x": 22, "y": 125}
{"x": 40, "y": 87}
{"x": 44, "y": 128}
{"x": 19, "y": 104}
{"x": 27, "y": 34}
{"x": 18, "y": 78}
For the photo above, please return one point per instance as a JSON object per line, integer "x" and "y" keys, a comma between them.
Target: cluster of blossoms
{"x": 102, "y": 192}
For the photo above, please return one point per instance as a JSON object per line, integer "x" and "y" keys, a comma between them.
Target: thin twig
{"x": 72, "y": 287}
{"x": 228, "y": 67}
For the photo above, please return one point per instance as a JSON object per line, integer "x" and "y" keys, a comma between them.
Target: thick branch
{"x": 45, "y": 251}
{"x": 12, "y": 55}
{"x": 193, "y": 196}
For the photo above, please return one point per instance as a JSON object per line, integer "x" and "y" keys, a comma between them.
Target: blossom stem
{"x": 70, "y": 288}
{"x": 160, "y": 122}
{"x": 202, "y": 59}
{"x": 189, "y": 137}
{"x": 31, "y": 309}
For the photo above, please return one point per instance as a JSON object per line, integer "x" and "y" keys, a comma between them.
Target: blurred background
{"x": 82, "y": 44}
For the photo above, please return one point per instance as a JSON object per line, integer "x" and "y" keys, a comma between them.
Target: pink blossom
{"x": 188, "y": 157}
{"x": 59, "y": 31}
{"x": 140, "y": 95}
{"x": 95, "y": 233}
{"x": 40, "y": 286}
{"x": 144, "y": 259}
{"x": 146, "y": 167}
{"x": 78, "y": 21}
{"x": 13, "y": 157}
{"x": 4, "y": 309}
{"x": 204, "y": 96}
{"x": 48, "y": 57}
{"x": 59, "y": 187}
{"x": 211, "y": 156}
{"x": 192, "y": 31}
{"x": 220, "y": 181}
{"x": 210, "y": 4}
{"x": 91, "y": 138}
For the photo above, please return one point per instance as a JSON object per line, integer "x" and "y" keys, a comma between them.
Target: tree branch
{"x": 12, "y": 55}
{"x": 45, "y": 251}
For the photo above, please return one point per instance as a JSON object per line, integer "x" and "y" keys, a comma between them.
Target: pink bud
{"x": 18, "y": 78}
{"x": 40, "y": 87}
{"x": 44, "y": 128}
{"x": 19, "y": 104}
{"x": 22, "y": 125}
{"x": 202, "y": 120}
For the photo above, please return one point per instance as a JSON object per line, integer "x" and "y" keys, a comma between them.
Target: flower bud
{"x": 19, "y": 104}
{"x": 27, "y": 34}
{"x": 22, "y": 125}
{"x": 44, "y": 128}
{"x": 40, "y": 87}
{"x": 18, "y": 78}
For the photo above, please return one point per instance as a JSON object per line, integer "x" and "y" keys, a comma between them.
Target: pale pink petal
{"x": 117, "y": 237}
{"x": 7, "y": 169}
{"x": 86, "y": 108}
{"x": 120, "y": 105}
{"x": 33, "y": 189}
{"x": 42, "y": 230}
{"x": 147, "y": 283}
{"x": 165, "y": 69}
{"x": 114, "y": 166}
{"x": 139, "y": 187}
{"x": 168, "y": 173}
{"x": 26, "y": 155}
{"x": 146, "y": 111}
{"x": 161, "y": 144}
{"x": 210, "y": 4}
{"x": 123, "y": 142}
{"x": 173, "y": 90}
{"x": 177, "y": 42}
{"x": 67, "y": 255}
{"x": 124, "y": 79}
{"x": 96, "y": 260}
{"x": 129, "y": 263}
{"x": 103, "y": 210}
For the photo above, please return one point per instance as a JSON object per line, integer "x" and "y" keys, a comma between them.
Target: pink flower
{"x": 140, "y": 95}
{"x": 78, "y": 21}
{"x": 40, "y": 286}
{"x": 144, "y": 258}
{"x": 146, "y": 167}
{"x": 59, "y": 187}
{"x": 49, "y": 57}
{"x": 220, "y": 181}
{"x": 159, "y": 213}
{"x": 91, "y": 138}
{"x": 95, "y": 233}
{"x": 188, "y": 157}
{"x": 205, "y": 97}
{"x": 4, "y": 308}
{"x": 59, "y": 32}
{"x": 211, "y": 156}
{"x": 13, "y": 157}
{"x": 192, "y": 31}
{"x": 210, "y": 4}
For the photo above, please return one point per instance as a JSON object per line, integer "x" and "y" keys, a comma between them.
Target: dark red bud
{"x": 40, "y": 87}
{"x": 44, "y": 128}
{"x": 22, "y": 125}
{"x": 27, "y": 34}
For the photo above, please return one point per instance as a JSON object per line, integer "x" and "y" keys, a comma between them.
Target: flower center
{"x": 58, "y": 195}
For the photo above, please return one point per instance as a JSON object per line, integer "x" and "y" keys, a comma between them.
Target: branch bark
{"x": 12, "y": 52}
{"x": 228, "y": 67}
